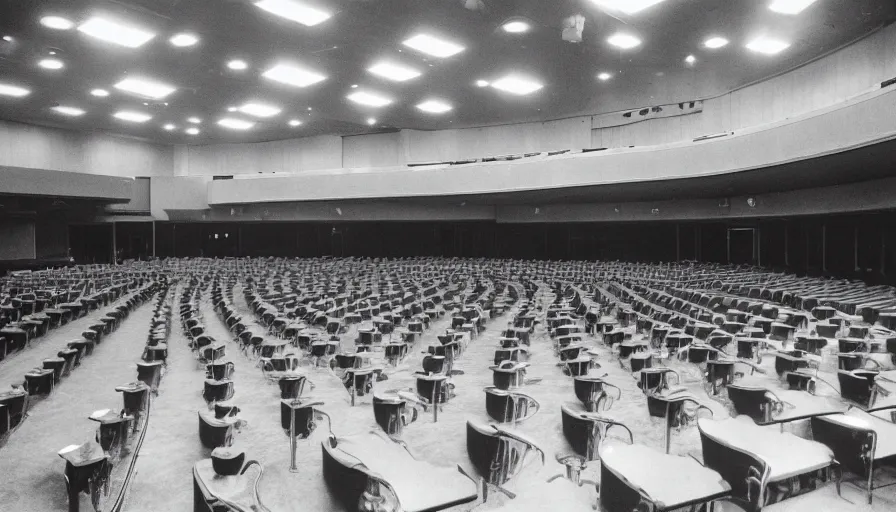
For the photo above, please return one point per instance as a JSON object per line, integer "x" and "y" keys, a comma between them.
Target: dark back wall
{"x": 857, "y": 246}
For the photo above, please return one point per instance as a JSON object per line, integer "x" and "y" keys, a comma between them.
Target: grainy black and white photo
{"x": 447, "y": 255}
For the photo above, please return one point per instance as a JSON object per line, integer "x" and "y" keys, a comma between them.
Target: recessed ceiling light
{"x": 194, "y": 120}
{"x": 57, "y": 22}
{"x": 169, "y": 127}
{"x": 371, "y": 121}
{"x": 516, "y": 27}
{"x": 715, "y": 42}
{"x": 132, "y": 116}
{"x": 603, "y": 77}
{"x": 8, "y": 39}
{"x": 68, "y": 111}
{"x": 434, "y": 46}
{"x": 237, "y": 65}
{"x": 235, "y": 124}
{"x": 790, "y": 6}
{"x": 99, "y": 93}
{"x": 309, "y": 109}
{"x": 294, "y": 11}
{"x": 259, "y": 109}
{"x": 767, "y": 45}
{"x": 690, "y": 59}
{"x": 627, "y": 6}
{"x": 482, "y": 83}
{"x": 624, "y": 41}
{"x": 354, "y": 86}
{"x": 184, "y": 39}
{"x": 369, "y": 99}
{"x": 295, "y": 122}
{"x": 145, "y": 87}
{"x": 517, "y": 85}
{"x": 434, "y": 106}
{"x": 393, "y": 71}
{"x": 51, "y": 64}
{"x": 292, "y": 75}
{"x": 115, "y": 32}
{"x": 192, "y": 131}
{"x": 232, "y": 109}
{"x": 13, "y": 90}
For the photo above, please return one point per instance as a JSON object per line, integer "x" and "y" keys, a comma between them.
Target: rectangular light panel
{"x": 369, "y": 99}
{"x": 517, "y": 85}
{"x": 145, "y": 87}
{"x": 768, "y": 46}
{"x": 627, "y": 6}
{"x": 114, "y": 32}
{"x": 292, "y": 75}
{"x": 294, "y": 11}
{"x": 235, "y": 124}
{"x": 434, "y": 106}
{"x": 68, "y": 111}
{"x": 790, "y": 6}
{"x": 259, "y": 110}
{"x": 624, "y": 41}
{"x": 13, "y": 90}
{"x": 434, "y": 46}
{"x": 394, "y": 72}
{"x": 132, "y": 116}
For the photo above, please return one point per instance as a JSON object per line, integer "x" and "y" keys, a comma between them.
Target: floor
{"x": 163, "y": 479}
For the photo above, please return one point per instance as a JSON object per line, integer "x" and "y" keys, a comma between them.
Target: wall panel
{"x": 375, "y": 150}
{"x": 293, "y": 155}
{"x": 17, "y": 239}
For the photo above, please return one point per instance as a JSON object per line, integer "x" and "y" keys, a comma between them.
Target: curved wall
{"x": 852, "y": 124}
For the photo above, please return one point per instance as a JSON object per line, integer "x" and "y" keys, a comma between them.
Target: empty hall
{"x": 447, "y": 255}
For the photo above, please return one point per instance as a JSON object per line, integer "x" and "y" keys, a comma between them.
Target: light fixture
{"x": 259, "y": 109}
{"x": 184, "y": 39}
{"x": 13, "y": 90}
{"x": 232, "y": 109}
{"x": 292, "y": 75}
{"x": 482, "y": 83}
{"x": 51, "y": 64}
{"x": 8, "y": 39}
{"x": 768, "y": 46}
{"x": 194, "y": 120}
{"x": 68, "y": 111}
{"x": 145, "y": 87}
{"x": 132, "y": 116}
{"x": 294, "y": 123}
{"x": 371, "y": 121}
{"x": 115, "y": 32}
{"x": 169, "y": 127}
{"x": 369, "y": 99}
{"x": 715, "y": 42}
{"x": 624, "y": 41}
{"x": 354, "y": 86}
{"x": 627, "y": 6}
{"x": 392, "y": 71}
{"x": 790, "y": 6}
{"x": 516, "y": 27}
{"x": 235, "y": 124}
{"x": 237, "y": 65}
{"x": 434, "y": 46}
{"x": 751, "y": 202}
{"x": 99, "y": 93}
{"x": 690, "y": 59}
{"x": 434, "y": 106}
{"x": 518, "y": 85}
{"x": 294, "y": 11}
{"x": 309, "y": 109}
{"x": 192, "y": 131}
{"x": 603, "y": 77}
{"x": 57, "y": 22}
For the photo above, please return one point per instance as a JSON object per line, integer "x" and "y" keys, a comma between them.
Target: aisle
{"x": 163, "y": 472}
{"x": 33, "y": 472}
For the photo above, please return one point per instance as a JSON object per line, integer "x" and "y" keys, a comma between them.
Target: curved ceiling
{"x": 361, "y": 33}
